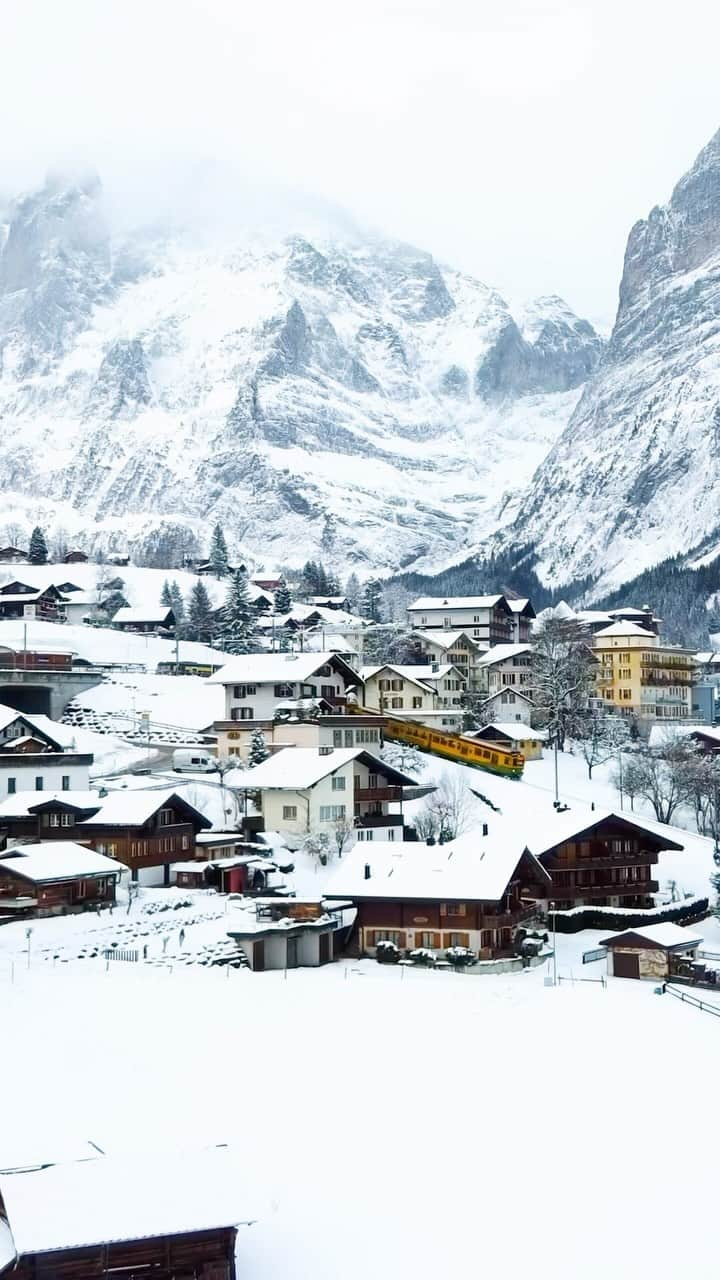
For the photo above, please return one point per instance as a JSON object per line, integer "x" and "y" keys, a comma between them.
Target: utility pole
{"x": 620, "y": 763}
{"x": 555, "y": 755}
{"x": 551, "y": 905}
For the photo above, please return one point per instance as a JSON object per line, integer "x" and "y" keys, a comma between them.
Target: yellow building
{"x": 638, "y": 676}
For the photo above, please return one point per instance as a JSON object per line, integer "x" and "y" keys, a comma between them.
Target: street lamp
{"x": 551, "y": 908}
{"x": 28, "y": 935}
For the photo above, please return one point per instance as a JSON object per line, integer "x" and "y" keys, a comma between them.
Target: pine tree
{"x": 38, "y": 552}
{"x": 283, "y": 599}
{"x": 165, "y": 595}
{"x": 200, "y": 623}
{"x": 239, "y": 617}
{"x": 352, "y": 592}
{"x": 258, "y": 750}
{"x": 310, "y": 579}
{"x": 371, "y": 600}
{"x": 177, "y": 604}
{"x": 332, "y": 585}
{"x": 219, "y": 553}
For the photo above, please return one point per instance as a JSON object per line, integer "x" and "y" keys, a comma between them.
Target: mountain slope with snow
{"x": 345, "y": 398}
{"x": 635, "y": 476}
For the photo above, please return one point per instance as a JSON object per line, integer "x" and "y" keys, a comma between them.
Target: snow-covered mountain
{"x": 635, "y": 476}
{"x": 347, "y": 398}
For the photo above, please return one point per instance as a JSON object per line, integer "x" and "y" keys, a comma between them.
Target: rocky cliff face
{"x": 635, "y": 477}
{"x": 145, "y": 393}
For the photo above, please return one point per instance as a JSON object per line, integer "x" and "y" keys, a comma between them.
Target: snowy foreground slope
{"x": 635, "y": 476}
{"x": 152, "y": 386}
{"x": 392, "y": 1123}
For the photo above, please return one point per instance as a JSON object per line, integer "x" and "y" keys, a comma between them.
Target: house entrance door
{"x": 626, "y": 964}
{"x": 292, "y": 953}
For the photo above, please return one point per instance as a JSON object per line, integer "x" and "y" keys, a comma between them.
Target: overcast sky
{"x": 518, "y": 139}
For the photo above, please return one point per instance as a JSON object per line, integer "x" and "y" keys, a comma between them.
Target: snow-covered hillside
{"x": 635, "y": 476}
{"x": 349, "y": 397}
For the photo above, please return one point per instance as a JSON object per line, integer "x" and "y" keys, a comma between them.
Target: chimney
{"x": 435, "y": 666}
{"x": 484, "y": 828}
{"x": 367, "y": 870}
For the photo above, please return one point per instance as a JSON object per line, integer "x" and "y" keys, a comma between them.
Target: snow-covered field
{"x": 392, "y": 1123}
{"x": 103, "y": 645}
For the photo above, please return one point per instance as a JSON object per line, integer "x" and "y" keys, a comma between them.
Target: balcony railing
{"x": 643, "y": 859}
{"x": 378, "y": 793}
{"x": 378, "y": 820}
{"x": 628, "y": 888}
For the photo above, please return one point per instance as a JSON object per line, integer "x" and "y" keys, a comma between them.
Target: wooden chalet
{"x": 75, "y": 557}
{"x": 141, "y": 829}
{"x": 13, "y": 555}
{"x": 599, "y": 859}
{"x": 144, "y": 621}
{"x": 20, "y": 600}
{"x": 55, "y": 878}
{"x": 172, "y": 1218}
{"x": 466, "y": 893}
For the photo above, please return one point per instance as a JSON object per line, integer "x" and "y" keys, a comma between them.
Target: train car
{"x": 452, "y": 746}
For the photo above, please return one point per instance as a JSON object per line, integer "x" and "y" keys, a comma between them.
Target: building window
{"x": 427, "y": 940}
{"x": 397, "y": 703}
{"x": 348, "y": 737}
{"x": 338, "y": 737}
{"x": 331, "y": 812}
{"x": 289, "y": 812}
{"x": 65, "y": 783}
{"x": 38, "y": 784}
{"x": 417, "y": 704}
{"x": 244, "y": 690}
{"x": 53, "y": 819}
{"x": 66, "y": 819}
{"x": 283, "y": 691}
{"x": 338, "y": 783}
{"x": 12, "y": 786}
{"x": 241, "y": 713}
{"x": 166, "y": 818}
{"x": 186, "y": 842}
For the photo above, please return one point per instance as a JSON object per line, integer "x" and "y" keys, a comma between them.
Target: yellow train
{"x": 451, "y": 746}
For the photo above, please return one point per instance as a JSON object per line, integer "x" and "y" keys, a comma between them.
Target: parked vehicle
{"x": 193, "y": 760}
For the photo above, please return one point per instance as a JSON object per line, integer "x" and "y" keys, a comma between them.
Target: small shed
{"x": 512, "y": 736}
{"x": 289, "y": 933}
{"x": 648, "y": 951}
{"x": 75, "y": 557}
{"x": 168, "y": 1216}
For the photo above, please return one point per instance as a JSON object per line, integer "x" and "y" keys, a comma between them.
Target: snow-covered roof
{"x": 296, "y": 768}
{"x": 545, "y": 832}
{"x": 273, "y": 668}
{"x": 626, "y": 629}
{"x": 520, "y": 605}
{"x": 665, "y": 934}
{"x": 663, "y": 734}
{"x": 130, "y": 614}
{"x": 454, "y": 602}
{"x": 473, "y": 867}
{"x": 448, "y": 639}
{"x": 23, "y": 802}
{"x": 515, "y": 730}
{"x": 502, "y": 653}
{"x": 509, "y": 688}
{"x": 427, "y": 672}
{"x": 57, "y": 860}
{"x": 405, "y": 673}
{"x": 114, "y": 1198}
{"x": 132, "y": 808}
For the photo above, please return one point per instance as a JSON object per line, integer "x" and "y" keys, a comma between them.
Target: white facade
{"x": 486, "y": 619}
{"x": 509, "y": 668}
{"x": 43, "y": 772}
{"x": 508, "y": 704}
{"x": 329, "y": 802}
{"x": 256, "y": 684}
{"x": 323, "y": 732}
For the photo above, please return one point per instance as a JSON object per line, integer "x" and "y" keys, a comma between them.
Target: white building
{"x": 508, "y": 704}
{"x": 455, "y": 647}
{"x": 309, "y": 789}
{"x": 256, "y": 682}
{"x": 506, "y": 666}
{"x": 36, "y": 754}
{"x": 488, "y": 619}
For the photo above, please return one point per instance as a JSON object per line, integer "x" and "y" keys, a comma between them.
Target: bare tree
{"x": 662, "y": 776}
{"x": 561, "y": 678}
{"x": 343, "y": 834}
{"x": 449, "y": 808}
{"x": 601, "y": 737}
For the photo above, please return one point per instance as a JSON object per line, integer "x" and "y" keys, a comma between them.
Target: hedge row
{"x": 613, "y": 922}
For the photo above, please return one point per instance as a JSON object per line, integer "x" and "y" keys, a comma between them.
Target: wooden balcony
{"x": 628, "y": 889}
{"x": 378, "y": 820}
{"x": 645, "y": 858}
{"x": 381, "y": 794}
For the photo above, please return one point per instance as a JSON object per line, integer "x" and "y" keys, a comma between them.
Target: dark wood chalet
{"x": 605, "y": 862}
{"x": 54, "y": 878}
{"x": 140, "y": 829}
{"x": 466, "y": 893}
{"x": 19, "y": 600}
{"x": 173, "y": 1218}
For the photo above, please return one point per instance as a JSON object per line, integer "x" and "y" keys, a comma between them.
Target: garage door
{"x": 626, "y": 964}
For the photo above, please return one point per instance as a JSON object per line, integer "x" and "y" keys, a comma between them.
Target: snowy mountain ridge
{"x": 634, "y": 478}
{"x": 347, "y": 398}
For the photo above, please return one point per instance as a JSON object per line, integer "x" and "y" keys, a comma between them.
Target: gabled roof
{"x": 521, "y": 606}
{"x": 503, "y": 652}
{"x": 510, "y": 729}
{"x": 448, "y": 639}
{"x": 55, "y": 860}
{"x": 473, "y": 868}
{"x": 369, "y": 673}
{"x": 156, "y": 616}
{"x": 133, "y": 808}
{"x": 113, "y": 1198}
{"x": 297, "y": 768}
{"x": 667, "y": 935}
{"x": 626, "y": 629}
{"x": 509, "y": 688}
{"x": 24, "y": 803}
{"x": 580, "y": 821}
{"x": 278, "y": 668}
{"x": 57, "y": 735}
{"x": 458, "y": 602}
